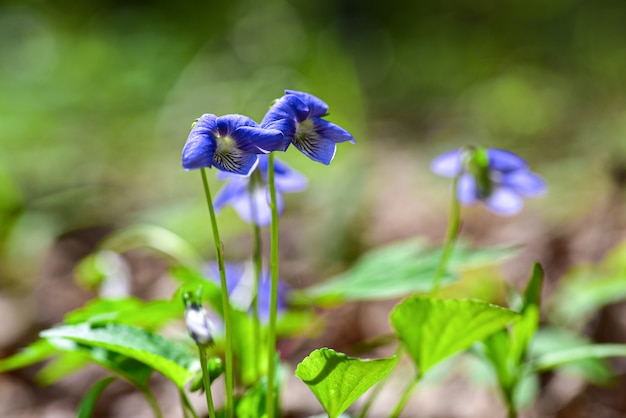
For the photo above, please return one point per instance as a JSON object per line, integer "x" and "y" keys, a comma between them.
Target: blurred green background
{"x": 97, "y": 98}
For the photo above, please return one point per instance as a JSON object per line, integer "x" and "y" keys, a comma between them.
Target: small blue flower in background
{"x": 499, "y": 178}
{"x": 230, "y": 143}
{"x": 240, "y": 284}
{"x": 249, "y": 195}
{"x": 298, "y": 116}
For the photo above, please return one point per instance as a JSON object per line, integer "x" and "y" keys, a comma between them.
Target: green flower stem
{"x": 219, "y": 249}
{"x": 207, "y": 381}
{"x": 405, "y": 398}
{"x": 379, "y": 387}
{"x": 147, "y": 393}
{"x": 258, "y": 266}
{"x": 187, "y": 405}
{"x": 454, "y": 224}
{"x": 271, "y": 350}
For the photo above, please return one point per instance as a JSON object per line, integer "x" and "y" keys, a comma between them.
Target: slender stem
{"x": 187, "y": 407}
{"x": 147, "y": 393}
{"x": 258, "y": 267}
{"x": 454, "y": 223}
{"x": 379, "y": 387}
{"x": 219, "y": 249}
{"x": 206, "y": 378}
{"x": 271, "y": 366}
{"x": 405, "y": 397}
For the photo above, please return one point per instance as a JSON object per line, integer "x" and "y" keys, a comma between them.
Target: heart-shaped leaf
{"x": 434, "y": 329}
{"x": 338, "y": 380}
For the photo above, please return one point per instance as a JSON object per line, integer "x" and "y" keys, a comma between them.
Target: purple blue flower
{"x": 249, "y": 195}
{"x": 299, "y": 116}
{"x": 230, "y": 143}
{"x": 240, "y": 284}
{"x": 498, "y": 178}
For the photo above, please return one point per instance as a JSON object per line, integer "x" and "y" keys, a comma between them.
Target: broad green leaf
{"x": 87, "y": 405}
{"x": 338, "y": 380}
{"x": 582, "y": 293}
{"x": 215, "y": 365}
{"x": 129, "y": 311}
{"x": 172, "y": 360}
{"x": 570, "y": 355}
{"x": 61, "y": 367}
{"x": 397, "y": 270}
{"x": 434, "y": 329}
{"x": 548, "y": 340}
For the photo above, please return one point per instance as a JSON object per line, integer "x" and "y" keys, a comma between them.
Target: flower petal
{"x": 200, "y": 146}
{"x": 504, "y": 201}
{"x": 233, "y": 273}
{"x": 258, "y": 140}
{"x": 503, "y": 160}
{"x": 316, "y": 106}
{"x": 448, "y": 164}
{"x": 288, "y": 180}
{"x": 318, "y": 149}
{"x": 235, "y": 161}
{"x": 255, "y": 208}
{"x": 236, "y": 188}
{"x": 526, "y": 183}
{"x": 331, "y": 131}
{"x": 287, "y": 107}
{"x": 467, "y": 192}
{"x": 227, "y": 124}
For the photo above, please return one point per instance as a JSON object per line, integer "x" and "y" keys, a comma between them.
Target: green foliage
{"x": 338, "y": 380}
{"x": 88, "y": 403}
{"x": 397, "y": 270}
{"x": 576, "y": 354}
{"x": 172, "y": 360}
{"x": 434, "y": 329}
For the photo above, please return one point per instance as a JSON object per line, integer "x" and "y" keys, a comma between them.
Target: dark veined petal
{"x": 200, "y": 146}
{"x": 448, "y": 164}
{"x": 504, "y": 201}
{"x": 255, "y": 208}
{"x": 316, "y": 106}
{"x": 526, "y": 183}
{"x": 233, "y": 190}
{"x": 227, "y": 124}
{"x": 331, "y": 131}
{"x": 258, "y": 140}
{"x": 235, "y": 161}
{"x": 503, "y": 160}
{"x": 467, "y": 192}
{"x": 318, "y": 149}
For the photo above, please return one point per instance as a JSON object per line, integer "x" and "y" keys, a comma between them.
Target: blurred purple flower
{"x": 249, "y": 195}
{"x": 298, "y": 116}
{"x": 240, "y": 284}
{"x": 499, "y": 178}
{"x": 230, "y": 143}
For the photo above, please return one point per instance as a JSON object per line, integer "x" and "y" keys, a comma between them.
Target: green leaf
{"x": 570, "y": 355}
{"x": 434, "y": 329}
{"x": 252, "y": 403}
{"x": 548, "y": 340}
{"x": 85, "y": 410}
{"x": 172, "y": 360}
{"x": 129, "y": 311}
{"x": 524, "y": 329}
{"x": 397, "y": 270}
{"x": 34, "y": 353}
{"x": 338, "y": 380}
{"x": 62, "y": 366}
